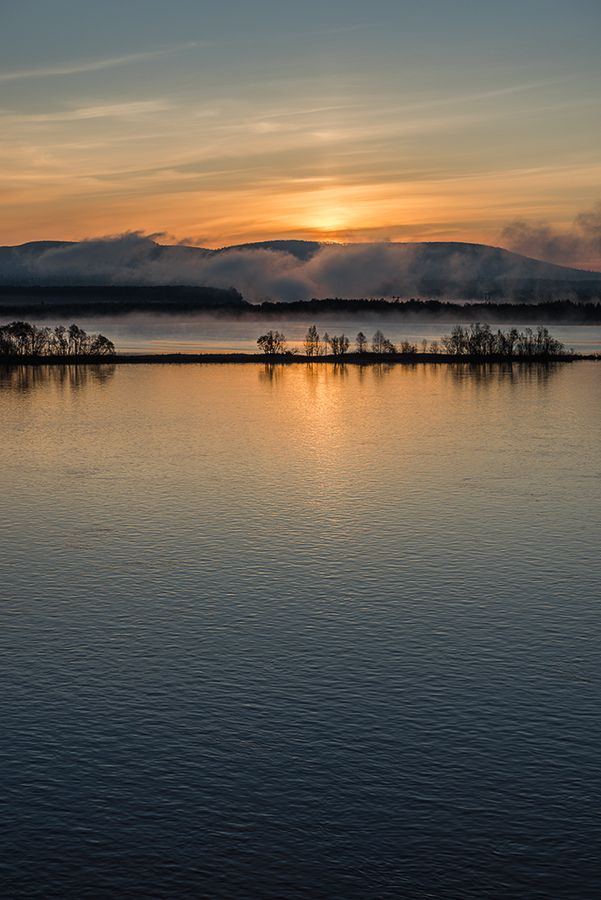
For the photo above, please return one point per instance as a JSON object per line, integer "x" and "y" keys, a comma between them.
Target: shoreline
{"x": 114, "y": 301}
{"x": 364, "y": 359}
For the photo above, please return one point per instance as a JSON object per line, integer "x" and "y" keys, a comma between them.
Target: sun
{"x": 329, "y": 220}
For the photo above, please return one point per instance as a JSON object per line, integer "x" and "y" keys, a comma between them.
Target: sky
{"x": 222, "y": 123}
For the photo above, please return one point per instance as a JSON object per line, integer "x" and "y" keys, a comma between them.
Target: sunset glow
{"x": 296, "y": 124}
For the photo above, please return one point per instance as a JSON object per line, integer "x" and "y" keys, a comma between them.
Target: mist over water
{"x": 300, "y": 631}
{"x": 202, "y": 333}
{"x": 298, "y": 270}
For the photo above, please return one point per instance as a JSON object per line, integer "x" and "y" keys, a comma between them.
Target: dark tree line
{"x": 86, "y": 300}
{"x": 475, "y": 340}
{"x": 481, "y": 340}
{"x": 550, "y": 311}
{"x": 274, "y": 343}
{"x": 25, "y": 339}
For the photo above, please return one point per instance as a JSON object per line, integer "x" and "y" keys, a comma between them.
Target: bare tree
{"x": 480, "y": 341}
{"x": 101, "y": 346}
{"x": 361, "y": 342}
{"x": 273, "y": 343}
{"x": 77, "y": 340}
{"x": 380, "y": 344}
{"x": 339, "y": 344}
{"x": 312, "y": 345}
{"x": 25, "y": 339}
{"x": 60, "y": 340}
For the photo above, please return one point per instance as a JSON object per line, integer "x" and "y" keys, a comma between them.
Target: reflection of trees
{"x": 337, "y": 371}
{"x": 271, "y": 373}
{"x": 340, "y": 371}
{"x": 467, "y": 375}
{"x": 316, "y": 373}
{"x": 64, "y": 377}
{"x": 381, "y": 370}
{"x": 486, "y": 375}
{"x": 311, "y": 372}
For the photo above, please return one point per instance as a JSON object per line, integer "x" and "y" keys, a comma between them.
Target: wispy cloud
{"x": 77, "y": 67}
{"x": 455, "y": 99}
{"x": 95, "y": 65}
{"x": 109, "y": 110}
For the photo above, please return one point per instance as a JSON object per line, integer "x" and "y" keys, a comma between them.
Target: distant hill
{"x": 303, "y": 250}
{"x": 293, "y": 270}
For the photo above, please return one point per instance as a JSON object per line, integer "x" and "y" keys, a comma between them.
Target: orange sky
{"x": 354, "y": 131}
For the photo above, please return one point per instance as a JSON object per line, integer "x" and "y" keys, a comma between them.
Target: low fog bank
{"x": 292, "y": 271}
{"x": 171, "y": 302}
{"x": 573, "y": 246}
{"x": 214, "y": 333}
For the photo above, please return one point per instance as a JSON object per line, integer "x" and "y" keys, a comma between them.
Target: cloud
{"x": 79, "y": 67}
{"x": 94, "y": 65}
{"x": 127, "y": 110}
{"x": 285, "y": 272}
{"x": 580, "y": 244}
{"x": 136, "y": 259}
{"x": 258, "y": 273}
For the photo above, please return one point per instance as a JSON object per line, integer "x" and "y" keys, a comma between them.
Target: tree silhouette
{"x": 273, "y": 343}
{"x": 339, "y": 344}
{"x": 312, "y": 345}
{"x": 408, "y": 347}
{"x": 381, "y": 344}
{"x": 480, "y": 341}
{"x": 25, "y": 339}
{"x": 361, "y": 342}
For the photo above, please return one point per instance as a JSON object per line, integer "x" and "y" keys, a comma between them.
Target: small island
{"x": 22, "y": 343}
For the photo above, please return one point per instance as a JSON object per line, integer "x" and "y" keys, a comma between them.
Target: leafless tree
{"x": 361, "y": 342}
{"x": 407, "y": 347}
{"x": 25, "y": 339}
{"x": 273, "y": 343}
{"x": 312, "y": 345}
{"x": 378, "y": 342}
{"x": 101, "y": 346}
{"x": 480, "y": 341}
{"x": 339, "y": 344}
{"x": 381, "y": 344}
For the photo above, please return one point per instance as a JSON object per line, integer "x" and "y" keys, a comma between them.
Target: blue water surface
{"x": 300, "y": 632}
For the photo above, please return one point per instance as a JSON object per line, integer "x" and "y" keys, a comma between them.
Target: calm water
{"x": 300, "y": 633}
{"x": 196, "y": 333}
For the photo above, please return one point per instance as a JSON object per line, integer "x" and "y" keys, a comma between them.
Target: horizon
{"x": 295, "y": 270}
{"x": 415, "y": 122}
{"x": 109, "y": 238}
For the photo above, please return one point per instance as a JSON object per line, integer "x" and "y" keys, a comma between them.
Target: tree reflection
{"x": 486, "y": 375}
{"x": 25, "y": 379}
{"x": 271, "y": 373}
{"x": 381, "y": 370}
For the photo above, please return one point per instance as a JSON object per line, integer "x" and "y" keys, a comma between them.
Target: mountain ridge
{"x": 288, "y": 270}
{"x": 305, "y": 249}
